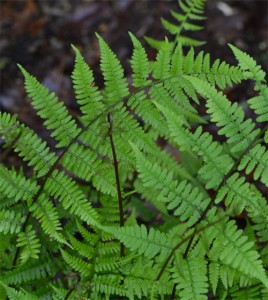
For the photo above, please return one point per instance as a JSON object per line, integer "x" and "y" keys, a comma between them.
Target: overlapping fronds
{"x": 216, "y": 163}
{"x": 140, "y": 200}
{"x": 256, "y": 160}
{"x": 190, "y": 276}
{"x": 236, "y": 251}
{"x": 229, "y": 117}
{"x": 138, "y": 239}
{"x": 16, "y": 187}
{"x": 188, "y": 201}
{"x": 30, "y": 244}
{"x": 64, "y": 189}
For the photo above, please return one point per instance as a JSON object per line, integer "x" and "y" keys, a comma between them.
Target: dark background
{"x": 38, "y": 35}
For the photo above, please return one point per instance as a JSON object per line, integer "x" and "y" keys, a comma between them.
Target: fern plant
{"x": 85, "y": 223}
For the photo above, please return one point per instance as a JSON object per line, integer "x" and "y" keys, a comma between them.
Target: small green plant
{"x": 80, "y": 228}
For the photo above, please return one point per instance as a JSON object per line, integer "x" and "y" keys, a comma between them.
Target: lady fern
{"x": 139, "y": 200}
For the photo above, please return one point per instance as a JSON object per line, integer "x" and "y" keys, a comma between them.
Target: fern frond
{"x": 77, "y": 263}
{"x": 28, "y": 145}
{"x": 219, "y": 73}
{"x": 14, "y": 294}
{"x": 139, "y": 63}
{"x": 260, "y": 104}
{"x": 55, "y": 113}
{"x": 61, "y": 187}
{"x": 29, "y": 272}
{"x": 30, "y": 244}
{"x": 80, "y": 161}
{"x": 256, "y": 159}
{"x": 88, "y": 96}
{"x": 10, "y": 222}
{"x": 216, "y": 163}
{"x": 192, "y": 10}
{"x": 115, "y": 84}
{"x": 145, "y": 109}
{"x": 214, "y": 275}
{"x": 15, "y": 186}
{"x": 187, "y": 200}
{"x": 46, "y": 213}
{"x": 107, "y": 285}
{"x": 190, "y": 276}
{"x": 248, "y": 64}
{"x": 230, "y": 117}
{"x": 236, "y": 251}
{"x": 137, "y": 239}
{"x": 254, "y": 292}
{"x": 162, "y": 64}
{"x": 109, "y": 264}
{"x": 237, "y": 194}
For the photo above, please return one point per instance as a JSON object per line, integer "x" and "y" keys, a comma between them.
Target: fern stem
{"x": 69, "y": 293}
{"x": 118, "y": 188}
{"x": 173, "y": 294}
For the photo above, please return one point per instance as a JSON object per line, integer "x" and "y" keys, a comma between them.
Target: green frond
{"x": 248, "y": 64}
{"x": 30, "y": 244}
{"x": 28, "y": 272}
{"x": 232, "y": 248}
{"x": 28, "y": 145}
{"x": 15, "y": 186}
{"x": 14, "y": 294}
{"x": 157, "y": 44}
{"x": 256, "y": 160}
{"x": 260, "y": 104}
{"x": 115, "y": 84}
{"x": 192, "y": 11}
{"x": 237, "y": 194}
{"x": 139, "y": 63}
{"x": 109, "y": 264}
{"x": 187, "y": 201}
{"x": 145, "y": 109}
{"x": 190, "y": 277}
{"x": 216, "y": 163}
{"x": 47, "y": 215}
{"x": 87, "y": 94}
{"x": 162, "y": 64}
{"x": 107, "y": 284}
{"x": 49, "y": 108}
{"x": 85, "y": 249}
{"x": 260, "y": 219}
{"x": 64, "y": 189}
{"x": 138, "y": 239}
{"x": 229, "y": 117}
{"x": 60, "y": 293}
{"x": 254, "y": 292}
{"x": 77, "y": 263}
{"x": 214, "y": 274}
{"x": 80, "y": 161}
{"x": 219, "y": 73}
{"x": 10, "y": 222}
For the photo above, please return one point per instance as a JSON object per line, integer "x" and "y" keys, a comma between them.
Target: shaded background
{"x": 38, "y": 33}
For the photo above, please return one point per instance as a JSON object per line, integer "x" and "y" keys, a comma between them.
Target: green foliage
{"x": 140, "y": 199}
{"x": 191, "y": 12}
